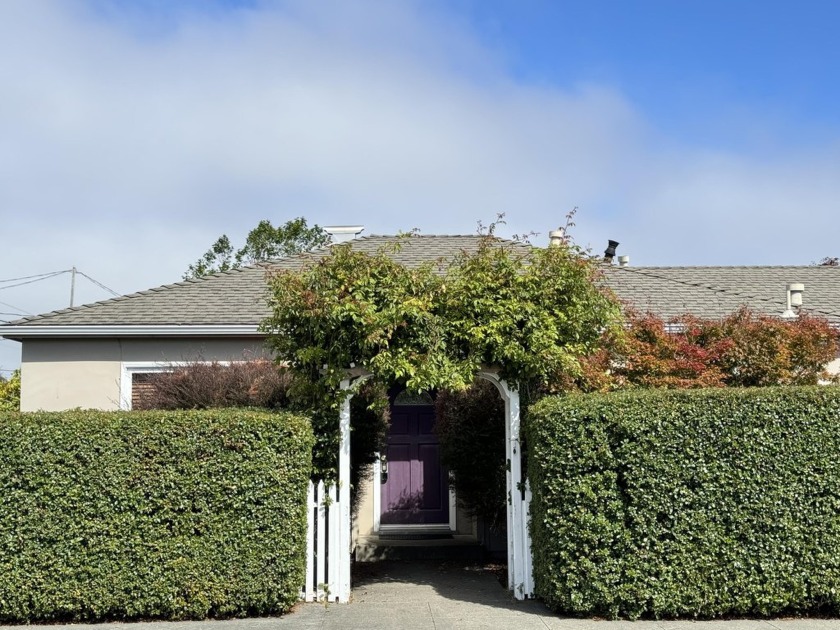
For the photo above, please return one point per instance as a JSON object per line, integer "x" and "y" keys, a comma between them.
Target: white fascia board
{"x": 43, "y": 332}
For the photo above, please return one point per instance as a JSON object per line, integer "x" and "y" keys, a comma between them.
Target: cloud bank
{"x": 131, "y": 141}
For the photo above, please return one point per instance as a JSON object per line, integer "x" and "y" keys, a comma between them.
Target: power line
{"x": 38, "y": 279}
{"x": 16, "y": 308}
{"x": 97, "y": 283}
{"x": 37, "y": 275}
{"x": 23, "y": 280}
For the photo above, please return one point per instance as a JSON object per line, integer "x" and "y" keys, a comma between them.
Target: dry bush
{"x": 200, "y": 385}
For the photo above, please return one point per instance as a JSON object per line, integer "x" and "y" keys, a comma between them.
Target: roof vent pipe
{"x": 342, "y": 233}
{"x": 609, "y": 253}
{"x": 556, "y": 237}
{"x": 794, "y": 299}
{"x": 624, "y": 261}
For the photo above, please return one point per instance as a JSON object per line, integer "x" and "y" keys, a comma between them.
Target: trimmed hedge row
{"x": 143, "y": 514}
{"x": 699, "y": 503}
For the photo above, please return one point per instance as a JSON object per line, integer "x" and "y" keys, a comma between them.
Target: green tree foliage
{"x": 10, "y": 392}
{"x": 531, "y": 313}
{"x": 264, "y": 242}
{"x": 371, "y": 415}
{"x": 471, "y": 429}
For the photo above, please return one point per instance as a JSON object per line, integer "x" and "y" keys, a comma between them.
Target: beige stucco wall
{"x": 59, "y": 374}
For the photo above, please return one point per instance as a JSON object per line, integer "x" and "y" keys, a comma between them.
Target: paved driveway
{"x": 438, "y": 596}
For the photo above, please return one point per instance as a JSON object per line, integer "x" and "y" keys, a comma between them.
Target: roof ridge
{"x": 368, "y": 237}
{"x": 410, "y": 235}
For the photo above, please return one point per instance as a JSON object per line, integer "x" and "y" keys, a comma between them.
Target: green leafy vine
{"x": 529, "y": 312}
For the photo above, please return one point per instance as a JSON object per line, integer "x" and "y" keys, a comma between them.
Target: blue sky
{"x": 136, "y": 132}
{"x": 694, "y": 66}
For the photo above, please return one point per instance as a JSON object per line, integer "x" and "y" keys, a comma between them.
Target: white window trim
{"x": 130, "y": 368}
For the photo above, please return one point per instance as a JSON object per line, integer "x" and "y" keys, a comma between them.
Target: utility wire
{"x": 44, "y": 277}
{"x": 17, "y": 308}
{"x": 37, "y": 275}
{"x": 97, "y": 283}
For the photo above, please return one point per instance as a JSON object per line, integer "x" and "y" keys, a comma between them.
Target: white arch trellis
{"x": 329, "y": 522}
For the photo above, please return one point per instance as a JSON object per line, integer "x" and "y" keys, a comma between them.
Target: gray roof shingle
{"x": 238, "y": 297}
{"x": 713, "y": 292}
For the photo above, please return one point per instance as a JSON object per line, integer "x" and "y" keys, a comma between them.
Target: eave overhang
{"x": 18, "y": 333}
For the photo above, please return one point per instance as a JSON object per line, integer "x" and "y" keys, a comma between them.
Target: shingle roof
{"x": 713, "y": 292}
{"x": 238, "y": 297}
{"x": 235, "y": 297}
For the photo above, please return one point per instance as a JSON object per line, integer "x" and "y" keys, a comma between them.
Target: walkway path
{"x": 438, "y": 596}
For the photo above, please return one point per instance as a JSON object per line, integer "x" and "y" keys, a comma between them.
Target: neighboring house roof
{"x": 233, "y": 302}
{"x": 714, "y": 292}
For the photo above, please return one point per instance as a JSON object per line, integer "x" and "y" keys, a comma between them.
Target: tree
{"x": 263, "y": 243}
{"x": 10, "y": 392}
{"x": 828, "y": 261}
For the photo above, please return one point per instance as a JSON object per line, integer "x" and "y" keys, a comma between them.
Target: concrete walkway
{"x": 438, "y": 596}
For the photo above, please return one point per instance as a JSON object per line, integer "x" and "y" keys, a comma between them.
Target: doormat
{"x": 400, "y": 536}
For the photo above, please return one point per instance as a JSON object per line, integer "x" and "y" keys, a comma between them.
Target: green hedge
{"x": 692, "y": 503}
{"x": 151, "y": 514}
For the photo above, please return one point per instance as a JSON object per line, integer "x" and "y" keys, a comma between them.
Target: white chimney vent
{"x": 343, "y": 233}
{"x": 794, "y": 298}
{"x": 624, "y": 261}
{"x": 556, "y": 237}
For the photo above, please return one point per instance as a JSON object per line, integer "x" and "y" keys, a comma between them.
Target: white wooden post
{"x": 520, "y": 560}
{"x": 511, "y": 495}
{"x": 343, "y": 526}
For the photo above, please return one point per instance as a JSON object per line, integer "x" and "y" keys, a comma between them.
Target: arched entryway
{"x": 339, "y": 524}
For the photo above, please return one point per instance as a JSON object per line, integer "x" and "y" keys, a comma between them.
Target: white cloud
{"x": 128, "y": 149}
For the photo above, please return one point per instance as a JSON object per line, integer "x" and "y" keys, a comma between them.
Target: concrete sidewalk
{"x": 438, "y": 596}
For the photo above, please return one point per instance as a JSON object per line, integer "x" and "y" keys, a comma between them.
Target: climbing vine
{"x": 531, "y": 313}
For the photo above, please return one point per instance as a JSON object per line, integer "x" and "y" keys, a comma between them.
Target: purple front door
{"x": 416, "y": 491}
